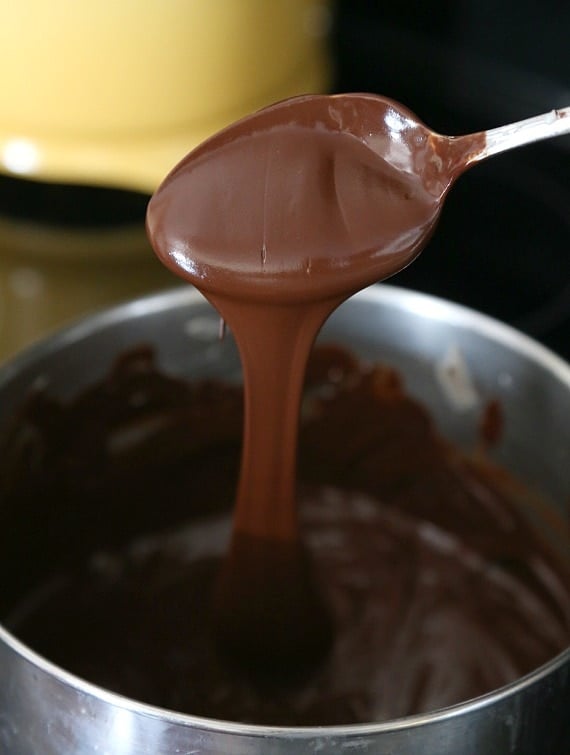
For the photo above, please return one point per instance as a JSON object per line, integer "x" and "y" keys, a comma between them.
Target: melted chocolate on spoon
{"x": 277, "y": 220}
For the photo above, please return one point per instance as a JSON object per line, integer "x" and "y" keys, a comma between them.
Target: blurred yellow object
{"x": 115, "y": 92}
{"x": 49, "y": 276}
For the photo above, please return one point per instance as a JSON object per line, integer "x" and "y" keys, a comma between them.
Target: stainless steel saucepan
{"x": 452, "y": 359}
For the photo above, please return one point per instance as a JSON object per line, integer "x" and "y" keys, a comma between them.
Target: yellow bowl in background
{"x": 115, "y": 92}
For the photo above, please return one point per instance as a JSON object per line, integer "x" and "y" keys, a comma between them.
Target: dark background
{"x": 503, "y": 244}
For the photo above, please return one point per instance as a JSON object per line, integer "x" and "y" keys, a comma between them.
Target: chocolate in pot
{"x": 438, "y": 588}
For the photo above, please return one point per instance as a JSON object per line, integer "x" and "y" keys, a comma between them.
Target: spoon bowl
{"x": 363, "y": 167}
{"x": 294, "y": 192}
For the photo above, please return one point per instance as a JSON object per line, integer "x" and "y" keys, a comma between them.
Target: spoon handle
{"x": 545, "y": 126}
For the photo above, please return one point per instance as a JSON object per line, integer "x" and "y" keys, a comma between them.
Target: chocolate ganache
{"x": 438, "y": 587}
{"x": 277, "y": 220}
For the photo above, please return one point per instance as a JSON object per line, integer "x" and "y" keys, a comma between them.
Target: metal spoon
{"x": 545, "y": 126}
{"x": 379, "y": 156}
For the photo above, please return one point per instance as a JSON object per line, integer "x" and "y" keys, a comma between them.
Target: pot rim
{"x": 429, "y": 306}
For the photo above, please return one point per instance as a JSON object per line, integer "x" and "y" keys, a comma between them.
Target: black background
{"x": 503, "y": 244}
